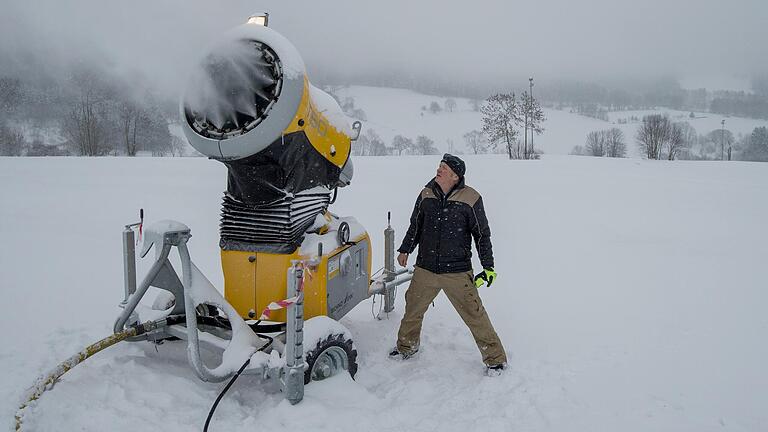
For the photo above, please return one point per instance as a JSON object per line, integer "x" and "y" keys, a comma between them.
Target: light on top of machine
{"x": 261, "y": 19}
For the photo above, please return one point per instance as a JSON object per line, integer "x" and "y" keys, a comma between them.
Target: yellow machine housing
{"x": 328, "y": 140}
{"x": 252, "y": 280}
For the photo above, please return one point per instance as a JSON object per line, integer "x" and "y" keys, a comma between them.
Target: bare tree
{"x": 682, "y": 137}
{"x": 608, "y": 142}
{"x": 450, "y": 105}
{"x": 401, "y": 144}
{"x": 129, "y": 114}
{"x": 85, "y": 124}
{"x": 675, "y": 141}
{"x": 12, "y": 141}
{"x": 376, "y": 146}
{"x": 476, "y": 142}
{"x": 595, "y": 145}
{"x": 177, "y": 146}
{"x": 614, "y": 143}
{"x": 653, "y": 134}
{"x": 690, "y": 140}
{"x": 425, "y": 146}
{"x": 660, "y": 138}
{"x": 500, "y": 115}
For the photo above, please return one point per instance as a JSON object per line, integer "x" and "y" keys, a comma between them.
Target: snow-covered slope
{"x": 393, "y": 112}
{"x": 631, "y": 297}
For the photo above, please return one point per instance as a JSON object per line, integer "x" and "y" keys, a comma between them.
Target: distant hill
{"x": 392, "y": 111}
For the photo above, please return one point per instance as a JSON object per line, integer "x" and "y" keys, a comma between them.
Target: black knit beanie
{"x": 456, "y": 164}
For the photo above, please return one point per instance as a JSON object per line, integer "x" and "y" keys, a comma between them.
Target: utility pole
{"x": 722, "y": 140}
{"x": 530, "y": 82}
{"x": 525, "y": 135}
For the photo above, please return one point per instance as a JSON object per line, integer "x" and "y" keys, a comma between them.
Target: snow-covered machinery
{"x": 291, "y": 267}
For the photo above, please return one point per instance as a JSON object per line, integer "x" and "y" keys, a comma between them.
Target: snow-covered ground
{"x": 631, "y": 297}
{"x": 398, "y": 111}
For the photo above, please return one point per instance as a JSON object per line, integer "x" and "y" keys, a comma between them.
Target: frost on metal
{"x": 330, "y": 109}
{"x": 329, "y": 240}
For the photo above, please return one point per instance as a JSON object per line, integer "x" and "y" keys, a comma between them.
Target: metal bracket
{"x": 162, "y": 275}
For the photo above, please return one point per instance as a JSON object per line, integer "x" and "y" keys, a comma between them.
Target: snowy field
{"x": 631, "y": 297}
{"x": 393, "y": 111}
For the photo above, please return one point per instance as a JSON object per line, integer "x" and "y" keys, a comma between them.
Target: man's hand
{"x": 485, "y": 276}
{"x": 402, "y": 259}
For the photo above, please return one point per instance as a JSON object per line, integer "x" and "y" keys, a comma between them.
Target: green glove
{"x": 485, "y": 276}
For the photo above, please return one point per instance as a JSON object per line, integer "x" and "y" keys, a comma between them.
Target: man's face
{"x": 445, "y": 173}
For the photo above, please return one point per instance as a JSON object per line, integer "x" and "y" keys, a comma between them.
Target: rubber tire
{"x": 337, "y": 340}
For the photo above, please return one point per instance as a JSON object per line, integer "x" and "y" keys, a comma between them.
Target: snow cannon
{"x": 286, "y": 145}
{"x": 291, "y": 268}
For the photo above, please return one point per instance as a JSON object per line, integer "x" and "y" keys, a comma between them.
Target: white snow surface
{"x": 631, "y": 297}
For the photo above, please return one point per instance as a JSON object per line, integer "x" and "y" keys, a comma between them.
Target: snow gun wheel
{"x": 329, "y": 357}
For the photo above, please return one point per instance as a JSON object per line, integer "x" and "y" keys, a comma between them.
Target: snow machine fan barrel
{"x": 249, "y": 104}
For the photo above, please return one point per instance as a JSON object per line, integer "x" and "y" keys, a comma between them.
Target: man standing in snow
{"x": 447, "y": 216}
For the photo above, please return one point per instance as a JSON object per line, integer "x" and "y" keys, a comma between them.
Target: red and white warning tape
{"x": 282, "y": 304}
{"x": 277, "y": 306}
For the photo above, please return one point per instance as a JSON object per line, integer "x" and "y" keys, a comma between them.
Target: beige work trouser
{"x": 461, "y": 291}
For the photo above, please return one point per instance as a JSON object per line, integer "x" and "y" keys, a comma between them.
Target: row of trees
{"x": 608, "y": 142}
{"x": 91, "y": 112}
{"x": 740, "y": 104}
{"x": 660, "y": 138}
{"x": 434, "y": 106}
{"x": 657, "y": 137}
{"x": 371, "y": 144}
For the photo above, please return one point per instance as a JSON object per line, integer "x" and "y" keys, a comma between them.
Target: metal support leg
{"x": 294, "y": 337}
{"x": 134, "y": 298}
{"x": 389, "y": 267}
{"x": 129, "y": 263}
{"x": 190, "y": 309}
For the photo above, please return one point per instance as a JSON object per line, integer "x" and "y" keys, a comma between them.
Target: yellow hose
{"x": 47, "y": 381}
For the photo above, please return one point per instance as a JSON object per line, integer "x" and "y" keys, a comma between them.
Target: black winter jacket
{"x": 443, "y": 226}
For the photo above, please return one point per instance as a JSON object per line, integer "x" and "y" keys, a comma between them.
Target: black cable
{"x": 221, "y": 395}
{"x": 234, "y": 378}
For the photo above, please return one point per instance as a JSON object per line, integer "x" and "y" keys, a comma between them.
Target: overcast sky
{"x": 479, "y": 40}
